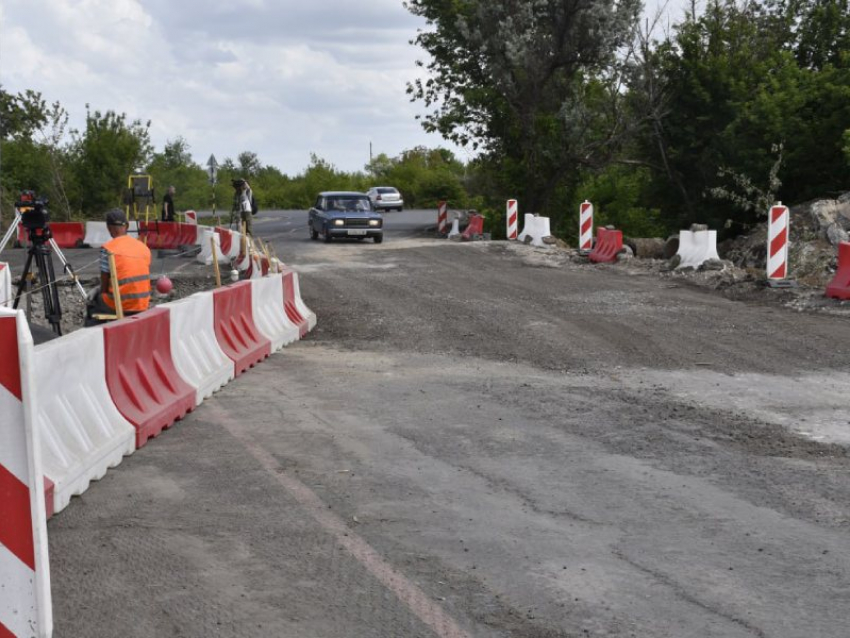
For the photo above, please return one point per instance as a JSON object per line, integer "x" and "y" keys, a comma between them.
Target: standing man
{"x": 133, "y": 271}
{"x": 243, "y": 203}
{"x": 168, "y": 205}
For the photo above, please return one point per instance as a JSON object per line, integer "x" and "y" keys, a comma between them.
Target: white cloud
{"x": 282, "y": 78}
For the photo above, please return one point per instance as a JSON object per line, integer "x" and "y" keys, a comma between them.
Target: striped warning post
{"x": 513, "y": 219}
{"x": 25, "y": 608}
{"x": 442, "y": 218}
{"x": 585, "y": 227}
{"x": 777, "y": 242}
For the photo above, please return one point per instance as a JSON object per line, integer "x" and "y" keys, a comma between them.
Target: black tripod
{"x": 39, "y": 250}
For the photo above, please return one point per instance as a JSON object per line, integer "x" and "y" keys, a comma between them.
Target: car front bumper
{"x": 341, "y": 231}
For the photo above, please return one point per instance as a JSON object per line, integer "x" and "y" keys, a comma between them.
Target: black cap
{"x": 116, "y": 217}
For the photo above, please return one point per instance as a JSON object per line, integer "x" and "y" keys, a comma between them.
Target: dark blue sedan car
{"x": 345, "y": 214}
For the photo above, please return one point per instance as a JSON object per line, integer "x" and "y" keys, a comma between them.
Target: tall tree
{"x": 107, "y": 151}
{"x": 529, "y": 82}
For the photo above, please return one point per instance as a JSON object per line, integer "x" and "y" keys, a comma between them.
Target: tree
{"x": 532, "y": 83}
{"x": 106, "y": 153}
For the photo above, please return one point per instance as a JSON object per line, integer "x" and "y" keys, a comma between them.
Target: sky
{"x": 281, "y": 78}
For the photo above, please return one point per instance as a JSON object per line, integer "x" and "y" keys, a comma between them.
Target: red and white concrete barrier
{"x": 585, "y": 227}
{"x": 82, "y": 433}
{"x": 442, "y": 217}
{"x": 513, "y": 219}
{"x": 778, "y": 233}
{"x": 25, "y": 606}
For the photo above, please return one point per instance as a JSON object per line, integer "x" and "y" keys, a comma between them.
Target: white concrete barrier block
{"x": 303, "y": 310}
{"x": 696, "y": 247}
{"x": 206, "y": 254}
{"x": 82, "y": 433}
{"x": 269, "y": 312}
{"x": 194, "y": 347}
{"x": 527, "y": 225}
{"x": 7, "y": 293}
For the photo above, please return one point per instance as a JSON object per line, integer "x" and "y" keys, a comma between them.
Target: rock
{"x": 828, "y": 212}
{"x": 671, "y": 247}
{"x": 836, "y": 234}
{"x": 698, "y": 227}
{"x": 714, "y": 264}
{"x": 549, "y": 240}
{"x": 625, "y": 254}
{"x": 647, "y": 247}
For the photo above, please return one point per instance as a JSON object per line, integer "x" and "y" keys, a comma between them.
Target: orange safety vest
{"x": 133, "y": 263}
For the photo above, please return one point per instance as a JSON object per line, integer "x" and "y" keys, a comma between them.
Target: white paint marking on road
{"x": 416, "y": 600}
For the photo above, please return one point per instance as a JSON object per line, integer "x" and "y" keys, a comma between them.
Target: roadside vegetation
{"x": 659, "y": 125}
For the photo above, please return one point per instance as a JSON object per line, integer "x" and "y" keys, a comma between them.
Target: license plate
{"x": 356, "y": 232}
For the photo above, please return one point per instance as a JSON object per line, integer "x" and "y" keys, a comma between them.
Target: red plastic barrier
{"x": 289, "y": 303}
{"x": 160, "y": 235}
{"x": 476, "y": 227}
{"x": 66, "y": 234}
{"x": 226, "y": 239}
{"x": 143, "y": 382}
{"x": 235, "y": 330}
{"x": 839, "y": 287}
{"x": 187, "y": 234}
{"x": 608, "y": 244}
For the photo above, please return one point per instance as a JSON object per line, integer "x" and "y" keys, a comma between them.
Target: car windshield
{"x": 387, "y": 191}
{"x": 353, "y": 203}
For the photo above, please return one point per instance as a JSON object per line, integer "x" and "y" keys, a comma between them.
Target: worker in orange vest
{"x": 133, "y": 265}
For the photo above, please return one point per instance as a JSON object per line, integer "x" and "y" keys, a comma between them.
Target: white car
{"x": 385, "y": 198}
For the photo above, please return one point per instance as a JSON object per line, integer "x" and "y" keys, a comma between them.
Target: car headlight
{"x": 374, "y": 222}
{"x": 339, "y": 222}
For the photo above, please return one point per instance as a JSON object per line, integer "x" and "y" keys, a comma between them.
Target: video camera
{"x": 33, "y": 209}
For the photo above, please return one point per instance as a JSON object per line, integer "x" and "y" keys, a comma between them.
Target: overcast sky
{"x": 282, "y": 78}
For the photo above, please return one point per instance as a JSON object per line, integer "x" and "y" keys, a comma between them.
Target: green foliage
{"x": 106, "y": 153}
{"x": 525, "y": 82}
{"x": 620, "y": 196}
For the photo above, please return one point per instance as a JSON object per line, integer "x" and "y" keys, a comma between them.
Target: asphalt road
{"x": 486, "y": 440}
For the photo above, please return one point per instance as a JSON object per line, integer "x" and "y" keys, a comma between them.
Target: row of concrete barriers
{"x": 72, "y": 408}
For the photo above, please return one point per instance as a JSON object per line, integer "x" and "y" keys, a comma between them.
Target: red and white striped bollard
{"x": 585, "y": 226}
{"x": 442, "y": 218}
{"x": 778, "y": 231}
{"x": 512, "y": 217}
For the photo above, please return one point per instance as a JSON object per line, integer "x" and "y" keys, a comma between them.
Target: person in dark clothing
{"x": 168, "y": 205}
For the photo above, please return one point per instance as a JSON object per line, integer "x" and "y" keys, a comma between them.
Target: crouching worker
{"x": 133, "y": 272}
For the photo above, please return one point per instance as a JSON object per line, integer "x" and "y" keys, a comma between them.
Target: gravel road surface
{"x": 486, "y": 440}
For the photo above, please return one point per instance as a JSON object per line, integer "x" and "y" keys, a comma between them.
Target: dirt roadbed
{"x": 488, "y": 440}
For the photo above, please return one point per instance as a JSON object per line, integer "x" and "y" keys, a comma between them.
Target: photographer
{"x": 244, "y": 203}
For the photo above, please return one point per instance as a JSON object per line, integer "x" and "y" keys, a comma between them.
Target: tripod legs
{"x": 47, "y": 281}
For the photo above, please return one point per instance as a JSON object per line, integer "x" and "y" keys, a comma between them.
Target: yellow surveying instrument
{"x": 139, "y": 199}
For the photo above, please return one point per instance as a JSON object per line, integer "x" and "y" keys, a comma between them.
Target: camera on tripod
{"x": 33, "y": 209}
